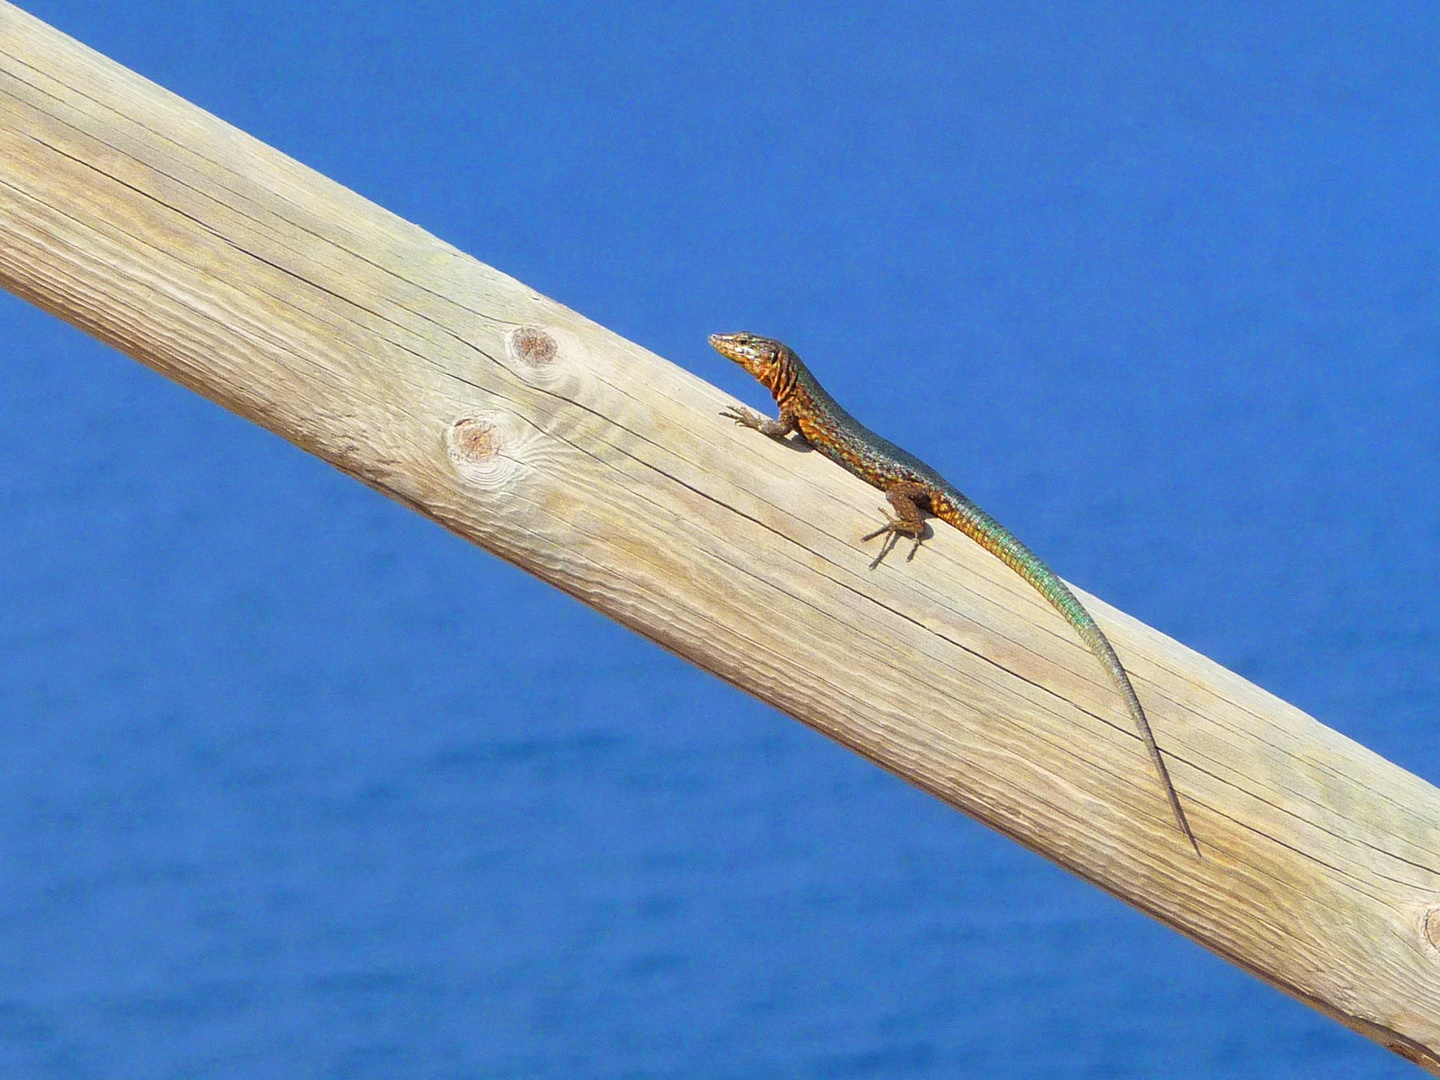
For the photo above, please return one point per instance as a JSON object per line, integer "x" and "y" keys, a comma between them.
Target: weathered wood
{"x": 607, "y": 471}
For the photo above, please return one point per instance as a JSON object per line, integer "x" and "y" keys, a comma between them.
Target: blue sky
{"x": 1157, "y": 287}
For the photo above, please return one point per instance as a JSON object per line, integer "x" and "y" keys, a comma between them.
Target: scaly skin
{"x": 915, "y": 490}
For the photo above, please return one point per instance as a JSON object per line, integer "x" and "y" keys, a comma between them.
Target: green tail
{"x": 955, "y": 509}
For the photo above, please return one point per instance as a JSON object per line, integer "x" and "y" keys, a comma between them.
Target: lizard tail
{"x": 955, "y": 509}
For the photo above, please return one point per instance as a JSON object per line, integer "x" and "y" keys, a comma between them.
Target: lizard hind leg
{"x": 908, "y": 520}
{"x": 892, "y": 537}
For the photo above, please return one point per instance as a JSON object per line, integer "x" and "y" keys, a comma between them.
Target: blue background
{"x": 293, "y": 783}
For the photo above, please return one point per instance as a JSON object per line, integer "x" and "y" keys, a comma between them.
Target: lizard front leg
{"x": 778, "y": 428}
{"x": 908, "y": 519}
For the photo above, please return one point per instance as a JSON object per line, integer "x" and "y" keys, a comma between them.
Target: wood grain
{"x": 606, "y": 471}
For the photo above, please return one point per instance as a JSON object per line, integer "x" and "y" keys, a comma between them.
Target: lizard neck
{"x": 797, "y": 392}
{"x": 785, "y": 382}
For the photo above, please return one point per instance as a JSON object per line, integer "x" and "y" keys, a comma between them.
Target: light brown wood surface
{"x": 607, "y": 471}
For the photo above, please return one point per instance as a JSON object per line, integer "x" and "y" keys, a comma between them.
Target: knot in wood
{"x": 475, "y": 441}
{"x": 532, "y": 346}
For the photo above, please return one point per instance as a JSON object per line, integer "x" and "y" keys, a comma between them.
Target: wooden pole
{"x": 608, "y": 472}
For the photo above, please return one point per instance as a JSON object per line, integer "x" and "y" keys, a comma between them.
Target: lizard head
{"x": 761, "y": 356}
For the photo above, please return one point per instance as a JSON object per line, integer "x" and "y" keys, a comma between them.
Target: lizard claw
{"x": 893, "y": 529}
{"x": 888, "y": 527}
{"x": 742, "y": 417}
{"x": 892, "y": 537}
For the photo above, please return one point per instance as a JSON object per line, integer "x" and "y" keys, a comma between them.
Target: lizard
{"x": 914, "y": 491}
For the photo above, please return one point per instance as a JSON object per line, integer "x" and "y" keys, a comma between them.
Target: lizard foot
{"x": 893, "y": 529}
{"x": 743, "y": 417}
